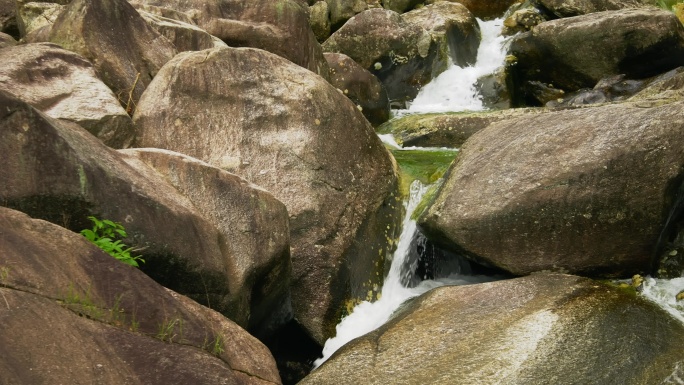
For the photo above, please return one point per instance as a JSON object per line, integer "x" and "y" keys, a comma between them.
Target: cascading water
{"x": 368, "y": 316}
{"x": 454, "y": 90}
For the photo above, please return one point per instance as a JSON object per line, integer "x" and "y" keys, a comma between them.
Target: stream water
{"x": 453, "y": 90}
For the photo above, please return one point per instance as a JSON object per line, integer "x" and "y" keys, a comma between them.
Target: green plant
{"x": 104, "y": 235}
{"x": 217, "y": 345}
{"x": 667, "y": 4}
{"x": 167, "y": 330}
{"x": 82, "y": 303}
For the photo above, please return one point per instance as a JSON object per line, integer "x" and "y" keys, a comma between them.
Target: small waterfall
{"x": 455, "y": 88}
{"x": 368, "y": 316}
{"x": 663, "y": 293}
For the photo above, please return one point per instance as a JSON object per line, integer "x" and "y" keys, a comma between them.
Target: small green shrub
{"x": 667, "y": 4}
{"x": 104, "y": 235}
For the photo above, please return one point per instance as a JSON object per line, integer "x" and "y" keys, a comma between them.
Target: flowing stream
{"x": 453, "y": 90}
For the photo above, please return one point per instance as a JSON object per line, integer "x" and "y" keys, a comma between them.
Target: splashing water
{"x": 455, "y": 88}
{"x": 368, "y": 316}
{"x": 663, "y": 293}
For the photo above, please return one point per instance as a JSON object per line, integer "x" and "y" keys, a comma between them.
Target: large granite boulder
{"x": 402, "y": 55}
{"x": 280, "y": 27}
{"x": 586, "y": 191}
{"x": 565, "y": 8}
{"x": 482, "y": 9}
{"x": 545, "y": 328}
{"x": 574, "y": 53}
{"x": 6, "y": 40}
{"x": 452, "y": 26}
{"x": 202, "y": 231}
{"x": 73, "y": 314}
{"x": 125, "y": 50}
{"x": 284, "y": 128}
{"x": 360, "y": 86}
{"x": 319, "y": 19}
{"x": 400, "y": 6}
{"x": 8, "y": 18}
{"x": 343, "y": 10}
{"x": 32, "y": 16}
{"x": 183, "y": 35}
{"x": 64, "y": 85}
{"x": 449, "y": 129}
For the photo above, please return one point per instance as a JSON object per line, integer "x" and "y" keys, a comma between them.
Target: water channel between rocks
{"x": 452, "y": 91}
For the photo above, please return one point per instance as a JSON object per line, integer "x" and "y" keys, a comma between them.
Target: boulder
{"x": 184, "y": 36}
{"x": 565, "y": 8}
{"x": 101, "y": 321}
{"x": 574, "y": 53}
{"x": 545, "y": 328}
{"x": 319, "y": 19}
{"x": 280, "y": 27}
{"x": 453, "y": 27}
{"x": 450, "y": 129}
{"x": 6, "y": 40}
{"x": 343, "y": 10}
{"x": 64, "y": 85}
{"x": 8, "y": 18}
{"x": 32, "y": 16}
{"x": 663, "y": 88}
{"x": 482, "y": 9}
{"x": 202, "y": 231}
{"x": 126, "y": 52}
{"x": 400, "y": 54}
{"x": 360, "y": 86}
{"x": 585, "y": 191}
{"x": 522, "y": 20}
{"x": 283, "y": 128}
{"x": 400, "y": 6}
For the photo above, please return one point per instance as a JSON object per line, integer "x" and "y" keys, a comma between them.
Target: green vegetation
{"x": 427, "y": 166}
{"x": 105, "y": 234}
{"x": 170, "y": 329}
{"x": 667, "y": 4}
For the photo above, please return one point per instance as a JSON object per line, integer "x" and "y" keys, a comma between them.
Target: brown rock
{"x": 400, "y": 54}
{"x": 343, "y": 10}
{"x": 565, "y": 8}
{"x": 289, "y": 131}
{"x": 577, "y": 52}
{"x": 184, "y": 36}
{"x": 34, "y": 15}
{"x": 6, "y": 40}
{"x": 532, "y": 330}
{"x": 482, "y": 9}
{"x": 360, "y": 86}
{"x": 202, "y": 231}
{"x": 126, "y": 52}
{"x": 63, "y": 85}
{"x": 585, "y": 191}
{"x": 449, "y": 129}
{"x": 452, "y": 26}
{"x": 101, "y": 321}
{"x": 280, "y": 27}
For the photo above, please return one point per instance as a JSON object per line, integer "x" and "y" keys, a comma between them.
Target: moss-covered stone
{"x": 427, "y": 166}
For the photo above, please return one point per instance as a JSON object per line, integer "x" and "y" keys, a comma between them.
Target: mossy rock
{"x": 426, "y": 166}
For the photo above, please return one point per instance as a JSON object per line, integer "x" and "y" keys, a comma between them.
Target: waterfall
{"x": 663, "y": 293}
{"x": 455, "y": 89}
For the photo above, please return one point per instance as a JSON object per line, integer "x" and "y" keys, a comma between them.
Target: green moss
{"x": 422, "y": 165}
{"x": 427, "y": 200}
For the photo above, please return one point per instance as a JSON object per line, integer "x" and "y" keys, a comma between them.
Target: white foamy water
{"x": 454, "y": 89}
{"x": 663, "y": 292}
{"x": 368, "y": 316}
